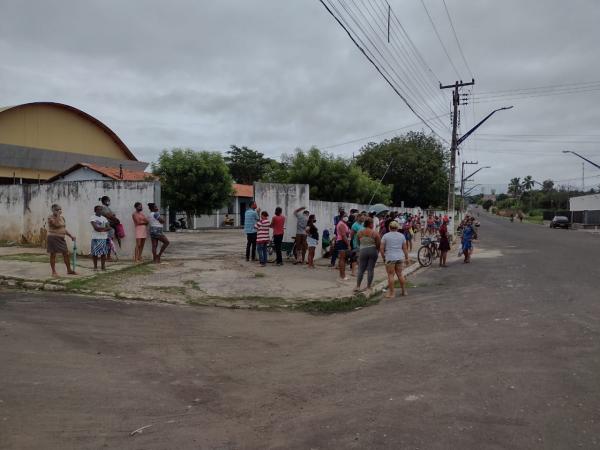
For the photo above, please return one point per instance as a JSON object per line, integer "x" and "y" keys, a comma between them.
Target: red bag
{"x": 120, "y": 230}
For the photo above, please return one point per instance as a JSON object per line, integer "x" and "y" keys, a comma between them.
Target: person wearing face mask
{"x": 312, "y": 237}
{"x": 140, "y": 221}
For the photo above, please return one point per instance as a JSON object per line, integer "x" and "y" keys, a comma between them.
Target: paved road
{"x": 503, "y": 353}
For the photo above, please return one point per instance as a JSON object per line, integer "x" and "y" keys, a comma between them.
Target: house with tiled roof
{"x": 87, "y": 172}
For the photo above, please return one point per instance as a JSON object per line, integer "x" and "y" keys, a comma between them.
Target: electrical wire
{"x": 404, "y": 79}
{"x": 440, "y": 38}
{"x": 370, "y": 57}
{"x": 457, "y": 41}
{"x": 378, "y": 134}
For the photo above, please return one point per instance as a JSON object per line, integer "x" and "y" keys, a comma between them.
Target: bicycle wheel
{"x": 424, "y": 256}
{"x": 271, "y": 256}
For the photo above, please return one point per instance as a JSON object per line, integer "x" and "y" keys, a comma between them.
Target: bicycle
{"x": 286, "y": 247}
{"x": 428, "y": 251}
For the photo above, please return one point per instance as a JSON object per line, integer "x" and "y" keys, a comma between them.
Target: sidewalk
{"x": 206, "y": 268}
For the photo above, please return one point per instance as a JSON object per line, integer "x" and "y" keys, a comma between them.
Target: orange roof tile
{"x": 243, "y": 190}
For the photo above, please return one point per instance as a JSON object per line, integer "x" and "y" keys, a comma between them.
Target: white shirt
{"x": 102, "y": 222}
{"x": 393, "y": 246}
{"x": 153, "y": 221}
{"x": 376, "y": 223}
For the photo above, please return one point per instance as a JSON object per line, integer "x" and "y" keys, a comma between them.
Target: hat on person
{"x": 394, "y": 225}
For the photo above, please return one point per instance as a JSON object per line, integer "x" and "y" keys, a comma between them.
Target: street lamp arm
{"x": 582, "y": 157}
{"x": 468, "y": 133}
{"x": 469, "y": 176}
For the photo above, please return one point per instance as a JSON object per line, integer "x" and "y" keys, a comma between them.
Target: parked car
{"x": 560, "y": 222}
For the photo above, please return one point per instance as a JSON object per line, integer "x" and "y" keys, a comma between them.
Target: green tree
{"x": 194, "y": 182}
{"x": 418, "y": 168}
{"x": 528, "y": 183}
{"x": 331, "y": 178}
{"x": 547, "y": 186}
{"x": 487, "y": 204}
{"x": 246, "y": 165}
{"x": 515, "y": 187}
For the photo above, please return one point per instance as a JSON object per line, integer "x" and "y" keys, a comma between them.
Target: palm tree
{"x": 514, "y": 187}
{"x": 528, "y": 183}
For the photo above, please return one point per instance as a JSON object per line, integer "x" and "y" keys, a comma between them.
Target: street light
{"x": 462, "y": 184}
{"x": 468, "y": 133}
{"x": 582, "y": 157}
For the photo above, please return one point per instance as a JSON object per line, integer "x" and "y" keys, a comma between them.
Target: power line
{"x": 379, "y": 134}
{"x": 404, "y": 51}
{"x": 404, "y": 80}
{"x": 380, "y": 70}
{"x": 457, "y": 41}
{"x": 440, "y": 38}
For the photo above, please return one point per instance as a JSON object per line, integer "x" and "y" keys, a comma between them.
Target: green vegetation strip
{"x": 336, "y": 305}
{"x": 28, "y": 257}
{"x": 104, "y": 280}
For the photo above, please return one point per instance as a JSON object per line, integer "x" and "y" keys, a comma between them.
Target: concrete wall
{"x": 289, "y": 197}
{"x": 292, "y": 196}
{"x": 585, "y": 203}
{"x": 25, "y": 209}
{"x": 215, "y": 220}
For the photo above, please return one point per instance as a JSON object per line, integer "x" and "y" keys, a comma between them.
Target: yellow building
{"x": 39, "y": 140}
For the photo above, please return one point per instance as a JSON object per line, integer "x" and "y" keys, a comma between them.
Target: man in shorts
{"x": 301, "y": 245}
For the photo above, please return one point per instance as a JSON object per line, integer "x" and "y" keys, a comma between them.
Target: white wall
{"x": 84, "y": 174}
{"x": 25, "y": 208}
{"x": 585, "y": 203}
{"x": 289, "y": 197}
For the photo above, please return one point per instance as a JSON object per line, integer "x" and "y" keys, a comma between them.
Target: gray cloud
{"x": 275, "y": 75}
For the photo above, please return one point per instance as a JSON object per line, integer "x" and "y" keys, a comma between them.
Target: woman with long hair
{"x": 312, "y": 238}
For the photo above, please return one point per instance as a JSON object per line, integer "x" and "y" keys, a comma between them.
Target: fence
{"x": 292, "y": 196}
{"x": 25, "y": 208}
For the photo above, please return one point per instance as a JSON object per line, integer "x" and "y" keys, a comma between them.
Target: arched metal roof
{"x": 80, "y": 113}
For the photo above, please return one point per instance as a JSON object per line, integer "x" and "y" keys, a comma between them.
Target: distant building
{"x": 86, "y": 172}
{"x": 42, "y": 139}
{"x": 230, "y": 215}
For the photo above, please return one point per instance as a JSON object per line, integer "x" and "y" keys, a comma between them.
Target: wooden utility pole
{"x": 454, "y": 147}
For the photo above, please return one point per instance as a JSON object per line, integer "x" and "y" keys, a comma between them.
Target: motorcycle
{"x": 179, "y": 224}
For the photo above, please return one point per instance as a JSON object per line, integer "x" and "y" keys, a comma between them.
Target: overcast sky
{"x": 275, "y": 75}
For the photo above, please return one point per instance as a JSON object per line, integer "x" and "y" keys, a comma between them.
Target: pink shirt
{"x": 341, "y": 230}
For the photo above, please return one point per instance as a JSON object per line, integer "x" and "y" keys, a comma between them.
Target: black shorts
{"x": 341, "y": 246}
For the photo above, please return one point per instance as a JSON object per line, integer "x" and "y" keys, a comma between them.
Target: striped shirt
{"x": 262, "y": 227}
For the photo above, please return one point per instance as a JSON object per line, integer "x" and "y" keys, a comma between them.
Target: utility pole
{"x": 454, "y": 145}
{"x": 462, "y": 182}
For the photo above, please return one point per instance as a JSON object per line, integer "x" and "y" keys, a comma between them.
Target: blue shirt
{"x": 250, "y": 219}
{"x": 468, "y": 233}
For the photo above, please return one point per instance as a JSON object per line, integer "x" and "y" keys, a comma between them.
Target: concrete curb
{"x": 59, "y": 285}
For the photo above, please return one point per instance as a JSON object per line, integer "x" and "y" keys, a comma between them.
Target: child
{"x": 262, "y": 237}
{"x": 99, "y": 237}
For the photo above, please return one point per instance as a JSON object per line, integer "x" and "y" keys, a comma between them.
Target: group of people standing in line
{"x": 359, "y": 238}
{"x": 106, "y": 229}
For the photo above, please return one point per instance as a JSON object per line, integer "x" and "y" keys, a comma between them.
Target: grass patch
{"x": 336, "y": 306}
{"x": 177, "y": 290}
{"x": 28, "y": 257}
{"x": 534, "y": 219}
{"x": 409, "y": 285}
{"x": 104, "y": 281}
{"x": 192, "y": 284}
{"x": 259, "y": 275}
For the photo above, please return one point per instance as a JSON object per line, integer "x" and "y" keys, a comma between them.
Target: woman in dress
{"x": 56, "y": 242}
{"x": 444, "y": 243}
{"x": 140, "y": 221}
